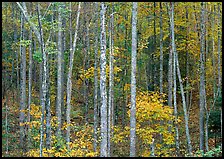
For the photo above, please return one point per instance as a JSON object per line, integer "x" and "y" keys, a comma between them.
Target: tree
{"x": 161, "y": 49}
{"x": 103, "y": 91}
{"x": 171, "y": 14}
{"x": 96, "y": 80}
{"x": 22, "y": 87}
{"x": 202, "y": 77}
{"x": 69, "y": 82}
{"x": 59, "y": 73}
{"x": 133, "y": 82}
{"x": 111, "y": 82}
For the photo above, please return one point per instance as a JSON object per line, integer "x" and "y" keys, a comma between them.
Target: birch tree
{"x": 111, "y": 83}
{"x": 133, "y": 82}
{"x": 103, "y": 91}
{"x": 171, "y": 14}
{"x": 69, "y": 82}
{"x": 59, "y": 73}
{"x": 202, "y": 77}
{"x": 22, "y": 86}
{"x": 96, "y": 80}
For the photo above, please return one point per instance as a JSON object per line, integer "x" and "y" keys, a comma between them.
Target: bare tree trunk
{"x": 202, "y": 79}
{"x": 22, "y": 88}
{"x": 111, "y": 84}
{"x": 179, "y": 77}
{"x": 69, "y": 82}
{"x": 133, "y": 82}
{"x": 170, "y": 83}
{"x": 29, "y": 85}
{"x": 219, "y": 61}
{"x": 161, "y": 49}
{"x": 103, "y": 91}
{"x": 44, "y": 87}
{"x": 175, "y": 107}
{"x": 187, "y": 62}
{"x": 95, "y": 80}
{"x": 59, "y": 73}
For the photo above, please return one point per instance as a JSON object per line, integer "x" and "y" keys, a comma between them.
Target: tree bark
{"x": 69, "y": 82}
{"x": 161, "y": 49}
{"x": 22, "y": 87}
{"x": 59, "y": 73}
{"x": 175, "y": 107}
{"x": 96, "y": 80}
{"x": 29, "y": 85}
{"x": 133, "y": 82}
{"x": 202, "y": 78}
{"x": 179, "y": 77}
{"x": 103, "y": 91}
{"x": 111, "y": 83}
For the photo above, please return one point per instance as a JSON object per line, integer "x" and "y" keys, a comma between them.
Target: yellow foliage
{"x": 152, "y": 121}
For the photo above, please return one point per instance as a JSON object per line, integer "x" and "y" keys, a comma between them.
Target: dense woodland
{"x": 111, "y": 79}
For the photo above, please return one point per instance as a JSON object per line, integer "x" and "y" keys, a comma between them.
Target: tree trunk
{"x": 187, "y": 62}
{"x": 44, "y": 87}
{"x": 69, "y": 82}
{"x": 219, "y": 62}
{"x": 111, "y": 83}
{"x": 103, "y": 91}
{"x": 161, "y": 49}
{"x": 22, "y": 87}
{"x": 175, "y": 107}
{"x": 170, "y": 83}
{"x": 59, "y": 73}
{"x": 133, "y": 82}
{"x": 202, "y": 78}
{"x": 179, "y": 77}
{"x": 95, "y": 80}
{"x": 29, "y": 85}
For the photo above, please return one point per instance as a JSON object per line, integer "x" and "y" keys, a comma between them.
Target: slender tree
{"x": 161, "y": 48}
{"x": 59, "y": 73}
{"x": 219, "y": 60}
{"x": 111, "y": 84}
{"x": 103, "y": 91}
{"x": 96, "y": 80}
{"x": 175, "y": 106}
{"x": 69, "y": 82}
{"x": 179, "y": 77}
{"x": 22, "y": 86}
{"x": 133, "y": 82}
{"x": 202, "y": 77}
{"x": 29, "y": 84}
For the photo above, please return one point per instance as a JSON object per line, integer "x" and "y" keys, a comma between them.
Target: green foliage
{"x": 215, "y": 152}
{"x": 37, "y": 56}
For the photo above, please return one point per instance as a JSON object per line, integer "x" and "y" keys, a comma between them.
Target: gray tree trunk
{"x": 187, "y": 62}
{"x": 44, "y": 84}
{"x": 179, "y": 77}
{"x": 170, "y": 81}
{"x": 161, "y": 49}
{"x": 111, "y": 83}
{"x": 103, "y": 91}
{"x": 69, "y": 82}
{"x": 133, "y": 82}
{"x": 29, "y": 85}
{"x": 22, "y": 87}
{"x": 59, "y": 73}
{"x": 96, "y": 80}
{"x": 202, "y": 78}
{"x": 175, "y": 107}
{"x": 219, "y": 61}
